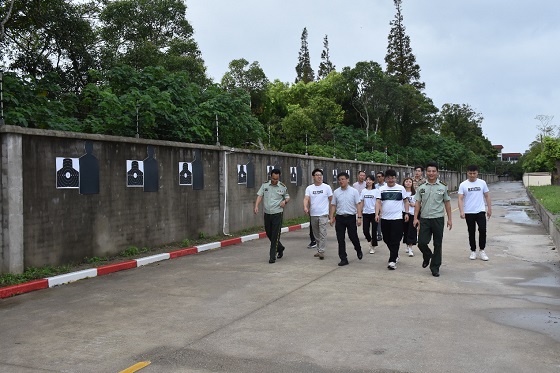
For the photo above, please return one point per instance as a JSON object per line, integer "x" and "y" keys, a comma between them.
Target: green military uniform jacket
{"x": 272, "y": 195}
{"x": 432, "y": 198}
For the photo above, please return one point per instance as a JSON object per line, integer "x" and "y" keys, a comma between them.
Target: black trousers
{"x": 273, "y": 228}
{"x": 410, "y": 234}
{"x": 343, "y": 224}
{"x": 472, "y": 221}
{"x": 370, "y": 228}
{"x": 392, "y": 233}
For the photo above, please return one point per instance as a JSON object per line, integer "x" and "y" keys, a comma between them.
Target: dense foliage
{"x": 111, "y": 67}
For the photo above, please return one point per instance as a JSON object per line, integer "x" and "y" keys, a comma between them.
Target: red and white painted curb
{"x": 66, "y": 278}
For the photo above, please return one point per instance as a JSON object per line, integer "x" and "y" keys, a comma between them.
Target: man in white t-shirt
{"x": 389, "y": 211}
{"x": 380, "y": 177}
{"x": 316, "y": 204}
{"x": 473, "y": 192}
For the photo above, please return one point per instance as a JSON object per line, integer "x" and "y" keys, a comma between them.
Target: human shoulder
{"x": 282, "y": 184}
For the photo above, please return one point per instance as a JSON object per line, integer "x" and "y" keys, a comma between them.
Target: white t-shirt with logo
{"x": 319, "y": 199}
{"x": 368, "y": 198}
{"x": 392, "y": 200}
{"x": 473, "y": 196}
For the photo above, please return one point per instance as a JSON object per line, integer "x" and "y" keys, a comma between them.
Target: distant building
{"x": 499, "y": 149}
{"x": 511, "y": 157}
{"x": 507, "y": 157}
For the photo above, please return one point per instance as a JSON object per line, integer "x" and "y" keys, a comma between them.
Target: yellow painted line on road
{"x": 136, "y": 367}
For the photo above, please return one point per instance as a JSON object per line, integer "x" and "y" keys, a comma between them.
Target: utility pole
{"x": 137, "y": 107}
{"x": 217, "y": 132}
{"x": 1, "y": 97}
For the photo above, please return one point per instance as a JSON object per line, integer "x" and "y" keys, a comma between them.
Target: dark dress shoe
{"x": 435, "y": 274}
{"x": 280, "y": 254}
{"x": 272, "y": 261}
{"x": 360, "y": 254}
{"x": 343, "y": 262}
{"x": 426, "y": 263}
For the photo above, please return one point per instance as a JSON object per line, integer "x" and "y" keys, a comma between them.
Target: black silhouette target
{"x": 241, "y": 174}
{"x": 185, "y": 173}
{"x": 134, "y": 173}
{"x": 67, "y": 176}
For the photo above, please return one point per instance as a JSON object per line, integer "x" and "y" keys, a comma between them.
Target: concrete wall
{"x": 44, "y": 225}
{"x": 537, "y": 179}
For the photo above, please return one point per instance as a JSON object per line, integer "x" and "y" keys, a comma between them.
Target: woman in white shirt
{"x": 410, "y": 235}
{"x": 368, "y": 198}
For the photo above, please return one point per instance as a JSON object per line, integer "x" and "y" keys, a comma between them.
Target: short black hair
{"x": 472, "y": 167}
{"x": 390, "y": 172}
{"x": 275, "y": 171}
{"x": 343, "y": 173}
{"x": 432, "y": 164}
{"x": 379, "y": 173}
{"x": 420, "y": 167}
{"x": 316, "y": 170}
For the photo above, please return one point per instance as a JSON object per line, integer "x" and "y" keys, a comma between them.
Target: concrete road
{"x": 228, "y": 310}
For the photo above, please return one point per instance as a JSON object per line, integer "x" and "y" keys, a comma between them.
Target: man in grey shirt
{"x": 346, "y": 204}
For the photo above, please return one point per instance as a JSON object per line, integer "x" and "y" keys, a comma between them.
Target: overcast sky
{"x": 501, "y": 57}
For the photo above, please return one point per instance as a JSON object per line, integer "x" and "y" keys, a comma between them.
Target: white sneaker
{"x": 483, "y": 255}
{"x": 473, "y": 255}
{"x": 410, "y": 252}
{"x": 372, "y": 250}
{"x": 392, "y": 265}
{"x": 397, "y": 259}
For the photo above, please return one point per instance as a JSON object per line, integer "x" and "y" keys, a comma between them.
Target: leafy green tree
{"x": 411, "y": 112}
{"x": 27, "y": 104}
{"x": 326, "y": 66}
{"x": 250, "y": 78}
{"x": 143, "y": 33}
{"x": 514, "y": 170}
{"x": 49, "y": 37}
{"x": 401, "y": 62}
{"x": 304, "y": 72}
{"x": 464, "y": 125}
{"x": 367, "y": 96}
{"x": 534, "y": 160}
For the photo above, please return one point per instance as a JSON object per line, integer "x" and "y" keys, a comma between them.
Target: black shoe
{"x": 360, "y": 254}
{"x": 343, "y": 262}
{"x": 435, "y": 273}
{"x": 426, "y": 262}
{"x": 280, "y": 254}
{"x": 379, "y": 238}
{"x": 272, "y": 261}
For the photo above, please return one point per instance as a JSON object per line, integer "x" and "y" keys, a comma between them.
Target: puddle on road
{"x": 520, "y": 217}
{"x": 537, "y": 320}
{"x": 551, "y": 280}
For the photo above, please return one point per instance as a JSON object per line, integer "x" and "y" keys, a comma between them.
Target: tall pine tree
{"x": 401, "y": 63}
{"x": 326, "y": 66}
{"x": 303, "y": 69}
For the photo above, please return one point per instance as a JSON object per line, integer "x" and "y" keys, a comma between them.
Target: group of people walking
{"x": 413, "y": 213}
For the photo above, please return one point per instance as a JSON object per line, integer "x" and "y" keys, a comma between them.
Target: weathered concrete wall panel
{"x": 44, "y": 225}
